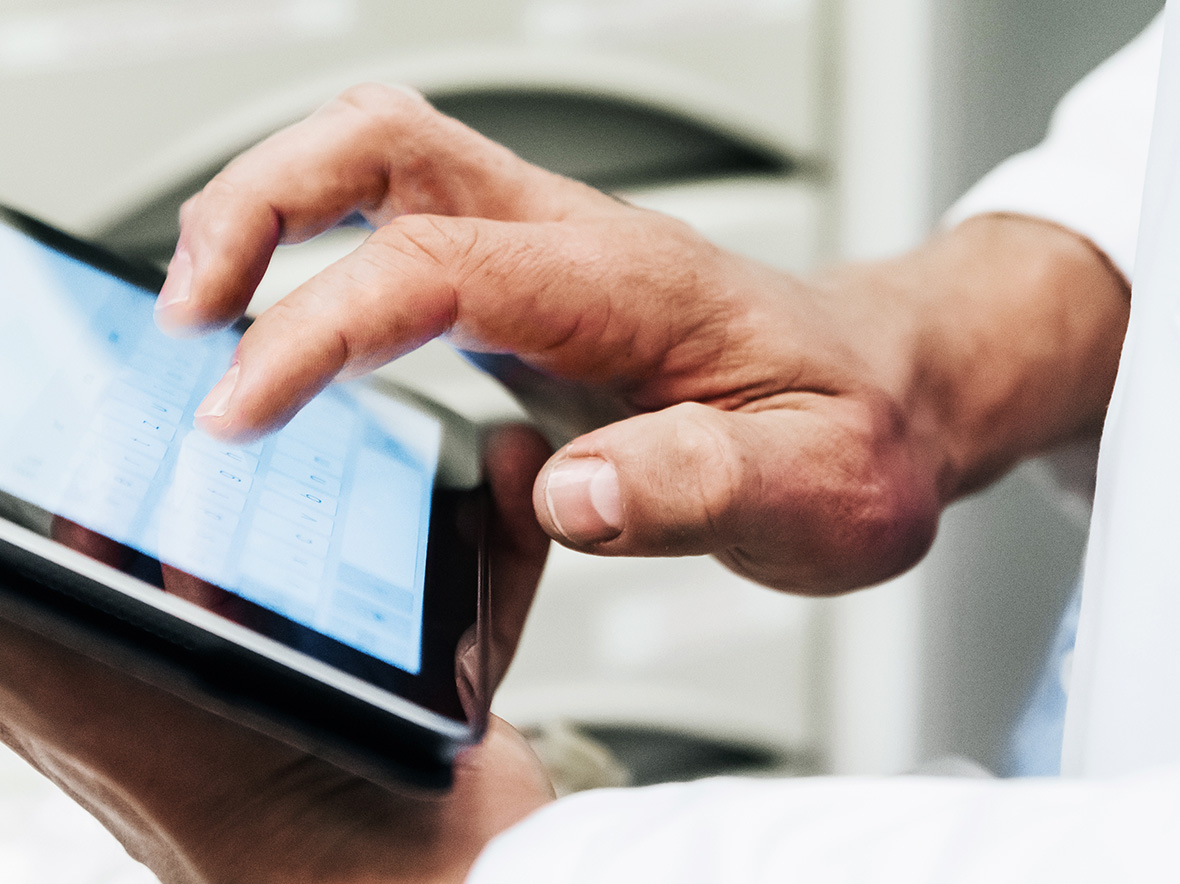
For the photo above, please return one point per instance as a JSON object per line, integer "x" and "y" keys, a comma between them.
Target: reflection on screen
{"x": 324, "y": 522}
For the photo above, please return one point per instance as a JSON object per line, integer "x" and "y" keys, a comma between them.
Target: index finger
{"x": 379, "y": 151}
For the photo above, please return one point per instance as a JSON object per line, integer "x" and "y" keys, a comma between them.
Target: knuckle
{"x": 707, "y": 467}
{"x": 372, "y": 97}
{"x": 188, "y": 207}
{"x": 380, "y": 106}
{"x": 220, "y": 188}
{"x": 902, "y": 525}
{"x": 674, "y": 229}
{"x": 230, "y": 203}
{"x": 442, "y": 242}
{"x": 334, "y": 346}
{"x": 888, "y": 515}
{"x": 672, "y": 235}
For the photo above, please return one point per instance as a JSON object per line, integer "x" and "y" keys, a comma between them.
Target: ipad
{"x": 325, "y": 584}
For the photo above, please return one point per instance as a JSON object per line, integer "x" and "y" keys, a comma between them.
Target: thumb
{"x": 807, "y": 498}
{"x": 665, "y": 483}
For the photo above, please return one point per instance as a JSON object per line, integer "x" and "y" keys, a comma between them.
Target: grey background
{"x": 1000, "y": 67}
{"x": 1007, "y": 559}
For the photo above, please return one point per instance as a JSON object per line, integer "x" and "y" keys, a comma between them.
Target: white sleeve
{"x": 905, "y": 830}
{"x": 1087, "y": 175}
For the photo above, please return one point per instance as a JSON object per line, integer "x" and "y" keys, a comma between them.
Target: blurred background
{"x": 797, "y": 131}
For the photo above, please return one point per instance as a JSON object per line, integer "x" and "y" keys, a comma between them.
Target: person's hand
{"x": 201, "y": 799}
{"x": 805, "y": 432}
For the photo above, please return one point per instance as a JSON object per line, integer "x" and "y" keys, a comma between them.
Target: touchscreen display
{"x": 324, "y": 523}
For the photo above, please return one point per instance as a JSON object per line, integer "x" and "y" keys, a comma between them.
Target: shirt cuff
{"x": 903, "y": 830}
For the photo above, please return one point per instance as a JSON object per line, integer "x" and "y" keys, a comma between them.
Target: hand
{"x": 808, "y": 433}
{"x": 199, "y": 798}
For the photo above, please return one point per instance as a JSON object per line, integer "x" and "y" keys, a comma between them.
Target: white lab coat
{"x": 1125, "y": 707}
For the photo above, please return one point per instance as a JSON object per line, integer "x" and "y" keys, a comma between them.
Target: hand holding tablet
{"x": 326, "y": 584}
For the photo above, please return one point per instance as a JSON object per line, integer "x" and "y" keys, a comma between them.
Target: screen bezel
{"x": 454, "y": 602}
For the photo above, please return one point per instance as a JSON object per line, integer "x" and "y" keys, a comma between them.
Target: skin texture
{"x": 807, "y": 432}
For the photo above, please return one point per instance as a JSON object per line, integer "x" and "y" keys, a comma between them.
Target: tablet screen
{"x": 324, "y": 522}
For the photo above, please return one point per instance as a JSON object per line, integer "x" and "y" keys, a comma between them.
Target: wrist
{"x": 1015, "y": 326}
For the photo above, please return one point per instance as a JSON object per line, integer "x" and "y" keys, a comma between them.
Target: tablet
{"x": 326, "y": 584}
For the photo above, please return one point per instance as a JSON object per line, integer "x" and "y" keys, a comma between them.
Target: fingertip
{"x": 228, "y": 430}
{"x": 218, "y": 428}
{"x": 176, "y": 323}
{"x": 672, "y": 482}
{"x": 227, "y": 237}
{"x": 177, "y": 313}
{"x": 582, "y": 500}
{"x": 217, "y": 416}
{"x": 175, "y": 294}
{"x": 217, "y": 402}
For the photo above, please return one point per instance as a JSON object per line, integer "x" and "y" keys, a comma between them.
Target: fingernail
{"x": 584, "y": 501}
{"x": 178, "y": 283}
{"x": 216, "y": 404}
